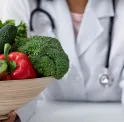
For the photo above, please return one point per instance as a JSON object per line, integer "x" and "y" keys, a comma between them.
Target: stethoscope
{"x": 104, "y": 78}
{"x": 38, "y": 9}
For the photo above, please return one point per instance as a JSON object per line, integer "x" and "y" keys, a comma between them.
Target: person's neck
{"x": 77, "y": 6}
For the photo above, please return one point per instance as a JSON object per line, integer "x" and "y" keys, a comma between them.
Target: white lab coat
{"x": 87, "y": 53}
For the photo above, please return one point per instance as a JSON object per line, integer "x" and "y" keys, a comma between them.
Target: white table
{"x": 78, "y": 112}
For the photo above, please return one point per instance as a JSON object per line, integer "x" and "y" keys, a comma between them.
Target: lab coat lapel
{"x": 90, "y": 29}
{"x": 65, "y": 34}
{"x": 64, "y": 26}
{"x": 91, "y": 26}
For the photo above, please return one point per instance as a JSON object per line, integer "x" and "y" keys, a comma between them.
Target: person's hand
{"x": 12, "y": 117}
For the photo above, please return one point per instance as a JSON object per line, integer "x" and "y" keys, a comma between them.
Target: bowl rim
{"x": 26, "y": 80}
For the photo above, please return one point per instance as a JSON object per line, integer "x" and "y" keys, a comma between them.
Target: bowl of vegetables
{"x": 27, "y": 65}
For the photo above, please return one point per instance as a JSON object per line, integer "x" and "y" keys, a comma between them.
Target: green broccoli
{"x": 45, "y": 65}
{"x": 47, "y": 56}
{"x": 18, "y": 42}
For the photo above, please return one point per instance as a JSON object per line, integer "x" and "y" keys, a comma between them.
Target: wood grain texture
{"x": 16, "y": 93}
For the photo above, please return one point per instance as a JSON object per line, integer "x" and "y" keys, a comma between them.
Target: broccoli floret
{"x": 38, "y": 44}
{"x": 47, "y": 56}
{"x": 45, "y": 65}
{"x": 18, "y": 42}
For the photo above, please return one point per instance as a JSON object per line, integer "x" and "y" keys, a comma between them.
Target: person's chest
{"x": 87, "y": 56}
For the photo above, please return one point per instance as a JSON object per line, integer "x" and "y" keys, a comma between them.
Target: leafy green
{"x": 19, "y": 42}
{"x": 22, "y": 28}
{"x": 21, "y": 35}
{"x": 11, "y": 22}
{"x": 1, "y": 24}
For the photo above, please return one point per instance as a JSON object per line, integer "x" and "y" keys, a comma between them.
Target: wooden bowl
{"x": 16, "y": 93}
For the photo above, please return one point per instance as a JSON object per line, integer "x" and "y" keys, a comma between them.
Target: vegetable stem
{"x": 7, "y": 48}
{"x": 11, "y": 64}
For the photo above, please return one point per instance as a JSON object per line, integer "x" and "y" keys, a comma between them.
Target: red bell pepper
{"x": 19, "y": 65}
{"x": 5, "y": 77}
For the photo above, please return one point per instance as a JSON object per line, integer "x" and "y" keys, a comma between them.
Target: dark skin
{"x": 76, "y": 6}
{"x": 12, "y": 116}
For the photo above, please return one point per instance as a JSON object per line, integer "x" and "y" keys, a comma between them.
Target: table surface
{"x": 78, "y": 112}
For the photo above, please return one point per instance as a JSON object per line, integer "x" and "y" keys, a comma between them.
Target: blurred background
{"x": 2, "y": 4}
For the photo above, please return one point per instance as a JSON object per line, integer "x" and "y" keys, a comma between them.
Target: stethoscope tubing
{"x": 104, "y": 77}
{"x": 110, "y": 38}
{"x": 38, "y": 9}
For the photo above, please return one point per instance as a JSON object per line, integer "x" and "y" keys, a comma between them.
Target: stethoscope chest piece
{"x": 105, "y": 79}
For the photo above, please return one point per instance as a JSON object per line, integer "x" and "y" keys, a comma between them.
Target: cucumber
{"x": 7, "y": 35}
